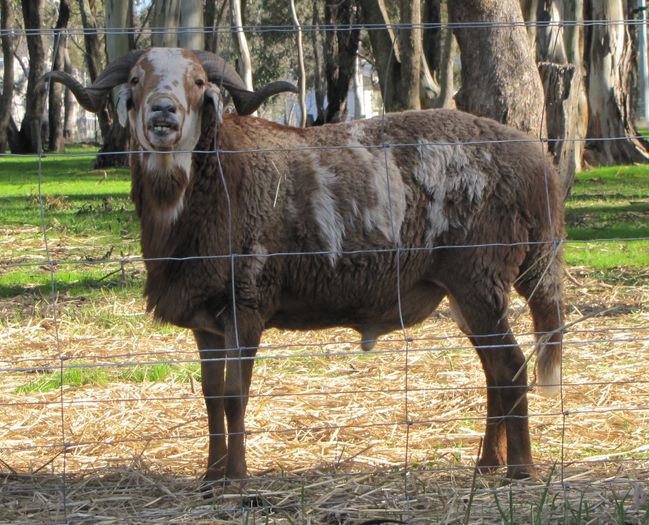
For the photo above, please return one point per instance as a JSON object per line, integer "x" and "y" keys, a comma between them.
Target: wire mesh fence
{"x": 102, "y": 416}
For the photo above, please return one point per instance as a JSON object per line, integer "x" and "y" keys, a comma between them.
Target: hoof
{"x": 211, "y": 488}
{"x": 521, "y": 472}
{"x": 489, "y": 466}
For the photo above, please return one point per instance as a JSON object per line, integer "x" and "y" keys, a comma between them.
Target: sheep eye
{"x": 134, "y": 81}
{"x": 199, "y": 82}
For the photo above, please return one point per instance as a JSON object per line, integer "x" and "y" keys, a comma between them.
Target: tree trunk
{"x": 530, "y": 9}
{"x": 7, "y": 20}
{"x": 212, "y": 20}
{"x": 245, "y": 63}
{"x": 300, "y": 58}
{"x": 341, "y": 47}
{"x": 191, "y": 35}
{"x": 432, "y": 34}
{"x": 56, "y": 125}
{"x": 29, "y": 136}
{"x": 499, "y": 75}
{"x": 549, "y": 38}
{"x": 438, "y": 52}
{"x": 610, "y": 53}
{"x": 573, "y": 38}
{"x": 446, "y": 76}
{"x": 70, "y": 107}
{"x": 573, "y": 34}
{"x": 164, "y": 23}
{"x": 118, "y": 16}
{"x": 562, "y": 87}
{"x": 319, "y": 87}
{"x": 94, "y": 57}
{"x": 398, "y": 57}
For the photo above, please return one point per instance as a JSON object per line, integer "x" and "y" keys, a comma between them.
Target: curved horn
{"x": 223, "y": 74}
{"x": 92, "y": 97}
{"x": 88, "y": 101}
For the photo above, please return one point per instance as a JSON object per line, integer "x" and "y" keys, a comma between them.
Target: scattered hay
{"x": 336, "y": 435}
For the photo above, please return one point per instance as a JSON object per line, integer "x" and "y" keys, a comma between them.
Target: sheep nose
{"x": 164, "y": 106}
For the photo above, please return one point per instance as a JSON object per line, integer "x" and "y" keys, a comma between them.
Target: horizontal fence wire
{"x": 291, "y": 28}
{"x": 326, "y": 440}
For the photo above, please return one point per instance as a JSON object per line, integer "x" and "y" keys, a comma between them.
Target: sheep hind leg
{"x": 212, "y": 355}
{"x": 507, "y": 439}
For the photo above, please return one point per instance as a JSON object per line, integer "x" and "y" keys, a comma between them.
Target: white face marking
{"x": 166, "y": 115}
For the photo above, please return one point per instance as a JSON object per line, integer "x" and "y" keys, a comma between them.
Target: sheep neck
{"x": 160, "y": 181}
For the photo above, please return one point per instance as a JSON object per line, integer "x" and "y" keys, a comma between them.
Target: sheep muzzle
{"x": 164, "y": 118}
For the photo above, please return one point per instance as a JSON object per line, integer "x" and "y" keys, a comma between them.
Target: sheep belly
{"x": 369, "y": 313}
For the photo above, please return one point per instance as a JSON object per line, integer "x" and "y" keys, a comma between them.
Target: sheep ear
{"x": 123, "y": 100}
{"x": 213, "y": 95}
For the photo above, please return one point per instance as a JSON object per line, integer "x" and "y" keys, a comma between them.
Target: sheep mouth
{"x": 163, "y": 128}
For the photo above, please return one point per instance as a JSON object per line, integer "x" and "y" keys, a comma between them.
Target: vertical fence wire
{"x": 409, "y": 345}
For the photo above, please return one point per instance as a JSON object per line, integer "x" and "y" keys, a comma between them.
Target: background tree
{"x": 56, "y": 124}
{"x": 301, "y": 71}
{"x": 119, "y": 41}
{"x": 438, "y": 53}
{"x": 177, "y": 24}
{"x": 94, "y": 56}
{"x": 319, "y": 86}
{"x": 192, "y": 35}
{"x": 213, "y": 14}
{"x": 340, "y": 50}
{"x": 610, "y": 51}
{"x": 499, "y": 75}
{"x": 241, "y": 43}
{"x": 398, "y": 55}
{"x": 165, "y": 17}
{"x": 7, "y": 20}
{"x": 28, "y": 138}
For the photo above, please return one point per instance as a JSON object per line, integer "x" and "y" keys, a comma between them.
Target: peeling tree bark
{"x": 610, "y": 51}
{"x": 562, "y": 86}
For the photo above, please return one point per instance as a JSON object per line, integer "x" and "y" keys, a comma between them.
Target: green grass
{"x": 609, "y": 203}
{"x": 81, "y": 373}
{"x": 86, "y": 215}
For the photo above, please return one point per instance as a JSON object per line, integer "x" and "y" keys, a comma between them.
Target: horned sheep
{"x": 247, "y": 225}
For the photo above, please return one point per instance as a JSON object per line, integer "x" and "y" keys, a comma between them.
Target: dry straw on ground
{"x": 329, "y": 440}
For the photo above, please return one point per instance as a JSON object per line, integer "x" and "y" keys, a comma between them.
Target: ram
{"x": 247, "y": 224}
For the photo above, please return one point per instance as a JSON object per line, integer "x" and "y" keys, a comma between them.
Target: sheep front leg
{"x": 238, "y": 376}
{"x": 212, "y": 355}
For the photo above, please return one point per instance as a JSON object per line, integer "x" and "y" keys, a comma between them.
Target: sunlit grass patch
{"x": 608, "y": 213}
{"x": 84, "y": 373}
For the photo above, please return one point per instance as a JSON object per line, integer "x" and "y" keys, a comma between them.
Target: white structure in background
{"x": 85, "y": 127}
{"x": 363, "y": 97}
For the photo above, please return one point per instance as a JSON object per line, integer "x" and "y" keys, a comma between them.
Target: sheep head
{"x": 163, "y": 91}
